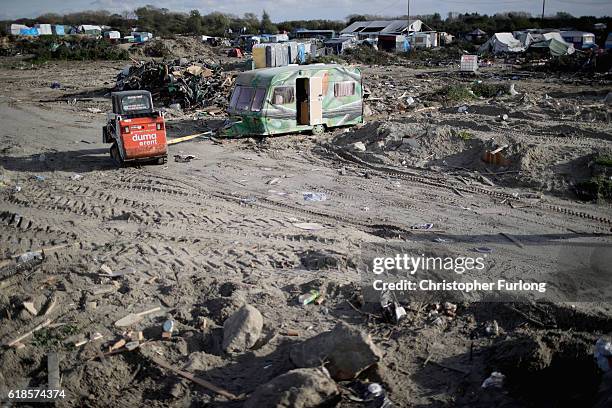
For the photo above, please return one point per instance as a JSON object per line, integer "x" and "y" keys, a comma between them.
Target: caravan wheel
{"x": 318, "y": 130}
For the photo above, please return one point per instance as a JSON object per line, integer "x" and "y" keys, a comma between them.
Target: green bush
{"x": 489, "y": 90}
{"x": 69, "y": 48}
{"x": 456, "y": 93}
{"x": 597, "y": 188}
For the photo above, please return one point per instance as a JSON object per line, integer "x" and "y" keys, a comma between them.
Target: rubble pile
{"x": 192, "y": 84}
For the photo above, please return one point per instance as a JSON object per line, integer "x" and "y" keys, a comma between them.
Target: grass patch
{"x": 604, "y": 160}
{"x": 597, "y": 188}
{"x": 53, "y": 337}
{"x": 489, "y": 90}
{"x": 465, "y": 135}
{"x": 456, "y": 93}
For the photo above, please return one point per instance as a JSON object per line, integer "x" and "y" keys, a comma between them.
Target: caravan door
{"x": 315, "y": 96}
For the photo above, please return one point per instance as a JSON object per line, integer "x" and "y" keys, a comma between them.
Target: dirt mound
{"x": 179, "y": 47}
{"x": 553, "y": 369}
{"x": 411, "y": 144}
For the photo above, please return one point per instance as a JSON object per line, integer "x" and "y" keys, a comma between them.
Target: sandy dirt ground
{"x": 199, "y": 239}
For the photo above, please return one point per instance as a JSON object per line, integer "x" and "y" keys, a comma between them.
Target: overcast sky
{"x": 309, "y": 9}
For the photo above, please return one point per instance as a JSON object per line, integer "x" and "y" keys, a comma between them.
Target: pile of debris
{"x": 192, "y": 84}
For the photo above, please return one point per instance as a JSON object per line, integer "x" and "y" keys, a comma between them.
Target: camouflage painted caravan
{"x": 298, "y": 98}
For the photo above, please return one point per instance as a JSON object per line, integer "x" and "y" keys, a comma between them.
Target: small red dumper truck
{"x": 136, "y": 130}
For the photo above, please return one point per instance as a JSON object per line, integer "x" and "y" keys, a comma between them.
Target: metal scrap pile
{"x": 190, "y": 84}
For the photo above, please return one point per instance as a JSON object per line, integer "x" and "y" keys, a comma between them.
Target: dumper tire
{"x": 318, "y": 130}
{"x": 115, "y": 156}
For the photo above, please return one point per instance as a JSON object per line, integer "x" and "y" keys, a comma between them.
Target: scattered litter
{"x": 422, "y": 227}
{"x": 117, "y": 345}
{"x": 462, "y": 109}
{"x": 184, "y": 158}
{"x": 513, "y": 91}
{"x": 442, "y": 240}
{"x": 105, "y": 270}
{"x": 392, "y": 311}
{"x": 492, "y": 328}
{"x": 248, "y": 200}
{"x": 94, "y": 110}
{"x": 168, "y": 328}
{"x": 603, "y": 354}
{"x": 309, "y": 226}
{"x": 17, "y": 189}
{"x": 17, "y": 341}
{"x": 191, "y": 84}
{"x": 39, "y": 178}
{"x": 308, "y": 298}
{"x": 134, "y": 318}
{"x": 93, "y": 337}
{"x": 484, "y": 250}
{"x": 55, "y": 85}
{"x": 496, "y": 380}
{"x": 29, "y": 306}
{"x": 30, "y": 256}
{"x": 76, "y": 177}
{"x": 310, "y": 196}
{"x": 132, "y": 345}
{"x": 359, "y": 146}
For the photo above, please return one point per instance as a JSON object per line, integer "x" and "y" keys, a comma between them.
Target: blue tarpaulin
{"x": 28, "y": 31}
{"x": 301, "y": 53}
{"x": 59, "y": 30}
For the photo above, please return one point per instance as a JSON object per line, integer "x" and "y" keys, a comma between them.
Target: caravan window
{"x": 235, "y": 95}
{"x": 283, "y": 95}
{"x": 260, "y": 95}
{"x": 346, "y": 88}
{"x": 245, "y": 98}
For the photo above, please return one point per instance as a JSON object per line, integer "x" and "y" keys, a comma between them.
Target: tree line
{"x": 164, "y": 22}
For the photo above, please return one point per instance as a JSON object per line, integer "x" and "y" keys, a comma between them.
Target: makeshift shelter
{"x": 476, "y": 35}
{"x": 608, "y": 44}
{"x": 372, "y": 29}
{"x": 501, "y": 43}
{"x": 340, "y": 44}
{"x": 59, "y": 30}
{"x": 580, "y": 39}
{"x": 552, "y": 41}
{"x": 31, "y": 32}
{"x": 90, "y": 29}
{"x": 15, "y": 29}
{"x": 112, "y": 35}
{"x": 393, "y": 43}
{"x": 44, "y": 29}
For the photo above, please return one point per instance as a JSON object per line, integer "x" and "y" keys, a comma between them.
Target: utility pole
{"x": 408, "y": 12}
{"x": 543, "y": 5}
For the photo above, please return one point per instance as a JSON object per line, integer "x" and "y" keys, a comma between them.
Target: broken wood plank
{"x": 499, "y": 149}
{"x": 186, "y": 138}
{"x": 134, "y": 318}
{"x": 50, "y": 305}
{"x": 29, "y": 306}
{"x": 27, "y": 334}
{"x": 193, "y": 378}
{"x": 53, "y": 372}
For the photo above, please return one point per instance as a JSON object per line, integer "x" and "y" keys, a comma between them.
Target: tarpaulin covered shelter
{"x": 372, "y": 29}
{"x": 553, "y": 41}
{"x": 393, "y": 43}
{"x": 500, "y": 43}
{"x": 16, "y": 28}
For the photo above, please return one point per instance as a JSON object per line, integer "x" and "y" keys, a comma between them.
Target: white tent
{"x": 502, "y": 42}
